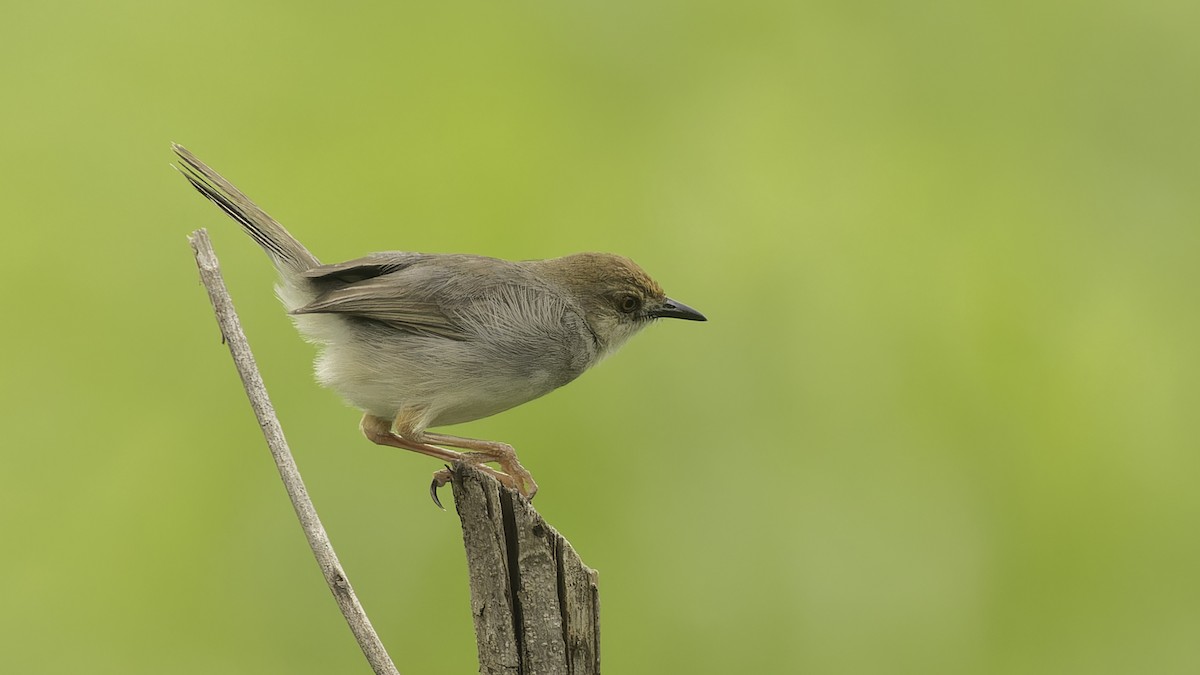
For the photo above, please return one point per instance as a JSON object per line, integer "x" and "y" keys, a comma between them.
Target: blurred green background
{"x": 942, "y": 418}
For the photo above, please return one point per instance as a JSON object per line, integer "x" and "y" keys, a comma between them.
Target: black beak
{"x": 670, "y": 309}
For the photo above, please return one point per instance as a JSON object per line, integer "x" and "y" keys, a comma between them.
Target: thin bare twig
{"x": 318, "y": 540}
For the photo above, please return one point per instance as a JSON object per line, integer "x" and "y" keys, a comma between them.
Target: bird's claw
{"x": 440, "y": 478}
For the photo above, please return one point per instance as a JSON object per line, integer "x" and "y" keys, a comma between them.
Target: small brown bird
{"x": 419, "y": 340}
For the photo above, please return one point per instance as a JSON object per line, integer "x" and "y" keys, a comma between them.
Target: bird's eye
{"x": 630, "y": 304}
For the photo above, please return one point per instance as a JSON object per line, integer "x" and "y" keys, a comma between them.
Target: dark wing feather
{"x": 374, "y": 265}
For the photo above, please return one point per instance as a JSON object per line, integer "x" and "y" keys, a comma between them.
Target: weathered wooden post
{"x": 535, "y": 604}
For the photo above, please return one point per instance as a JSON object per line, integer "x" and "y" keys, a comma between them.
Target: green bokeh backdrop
{"x": 942, "y": 419}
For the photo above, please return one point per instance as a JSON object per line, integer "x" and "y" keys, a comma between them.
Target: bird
{"x": 423, "y": 340}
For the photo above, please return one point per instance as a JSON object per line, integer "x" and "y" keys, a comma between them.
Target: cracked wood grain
{"x": 535, "y": 604}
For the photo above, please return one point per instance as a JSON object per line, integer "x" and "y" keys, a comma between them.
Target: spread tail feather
{"x": 288, "y": 254}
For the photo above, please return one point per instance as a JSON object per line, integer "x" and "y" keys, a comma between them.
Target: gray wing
{"x": 411, "y": 292}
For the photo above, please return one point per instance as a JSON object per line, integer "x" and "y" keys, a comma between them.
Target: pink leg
{"x": 379, "y": 431}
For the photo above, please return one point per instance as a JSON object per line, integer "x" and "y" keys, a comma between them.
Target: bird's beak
{"x": 671, "y": 309}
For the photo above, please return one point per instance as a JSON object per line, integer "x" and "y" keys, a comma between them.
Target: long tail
{"x": 288, "y": 254}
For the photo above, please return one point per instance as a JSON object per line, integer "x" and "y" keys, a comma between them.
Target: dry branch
{"x": 318, "y": 540}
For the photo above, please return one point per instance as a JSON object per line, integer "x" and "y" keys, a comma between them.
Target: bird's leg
{"x": 378, "y": 430}
{"x": 491, "y": 451}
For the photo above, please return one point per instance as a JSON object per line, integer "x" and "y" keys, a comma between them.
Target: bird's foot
{"x": 445, "y": 475}
{"x": 514, "y": 477}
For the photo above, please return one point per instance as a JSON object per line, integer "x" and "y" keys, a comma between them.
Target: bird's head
{"x": 618, "y": 298}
